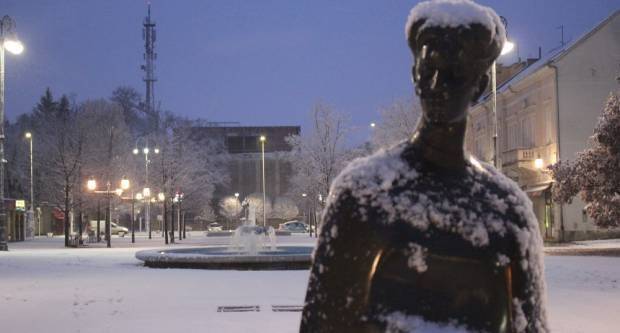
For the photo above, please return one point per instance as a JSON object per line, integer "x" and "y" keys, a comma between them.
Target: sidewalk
{"x": 606, "y": 247}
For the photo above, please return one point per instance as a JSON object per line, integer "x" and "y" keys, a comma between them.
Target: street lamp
{"x": 262, "y": 145}
{"x": 8, "y": 41}
{"x": 91, "y": 185}
{"x": 146, "y": 151}
{"x": 178, "y": 200}
{"x": 238, "y": 204}
{"x": 506, "y": 48}
{"x": 146, "y": 192}
{"x": 538, "y": 163}
{"x": 28, "y": 137}
{"x": 161, "y": 197}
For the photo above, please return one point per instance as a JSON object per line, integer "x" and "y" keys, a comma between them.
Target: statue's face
{"x": 447, "y": 74}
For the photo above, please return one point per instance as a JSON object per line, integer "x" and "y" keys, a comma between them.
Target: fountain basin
{"x": 223, "y": 257}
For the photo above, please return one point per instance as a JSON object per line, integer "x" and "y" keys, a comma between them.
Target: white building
{"x": 546, "y": 113}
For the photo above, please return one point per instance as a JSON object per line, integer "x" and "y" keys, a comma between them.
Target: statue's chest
{"x": 467, "y": 205}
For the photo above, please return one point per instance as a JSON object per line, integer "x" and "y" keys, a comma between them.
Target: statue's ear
{"x": 482, "y": 86}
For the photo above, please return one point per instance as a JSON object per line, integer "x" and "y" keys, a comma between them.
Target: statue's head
{"x": 454, "y": 43}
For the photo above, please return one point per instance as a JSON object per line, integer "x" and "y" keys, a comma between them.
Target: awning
{"x": 537, "y": 190}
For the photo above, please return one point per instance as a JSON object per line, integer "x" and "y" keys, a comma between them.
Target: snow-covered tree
{"x": 319, "y": 156}
{"x": 398, "y": 121}
{"x": 594, "y": 173}
{"x": 129, "y": 100}
{"x": 283, "y": 208}
{"x": 255, "y": 203}
{"x": 190, "y": 163}
{"x": 230, "y": 207}
{"x": 62, "y": 139}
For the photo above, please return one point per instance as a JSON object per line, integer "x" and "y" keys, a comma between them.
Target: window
{"x": 527, "y": 131}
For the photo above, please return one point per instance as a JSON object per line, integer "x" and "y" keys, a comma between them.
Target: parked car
{"x": 215, "y": 227}
{"x": 294, "y": 226}
{"x": 115, "y": 229}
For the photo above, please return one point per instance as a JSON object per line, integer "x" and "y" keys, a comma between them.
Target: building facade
{"x": 245, "y": 167}
{"x": 546, "y": 113}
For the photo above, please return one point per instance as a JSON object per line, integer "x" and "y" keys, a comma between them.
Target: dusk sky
{"x": 256, "y": 62}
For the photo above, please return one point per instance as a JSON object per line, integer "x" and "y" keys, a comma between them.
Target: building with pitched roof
{"x": 546, "y": 113}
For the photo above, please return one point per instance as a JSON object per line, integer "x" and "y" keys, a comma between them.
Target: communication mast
{"x": 148, "y": 35}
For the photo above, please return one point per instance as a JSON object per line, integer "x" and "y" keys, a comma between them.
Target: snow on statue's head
{"x": 454, "y": 43}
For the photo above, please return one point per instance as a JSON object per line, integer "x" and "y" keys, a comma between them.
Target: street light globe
{"x": 135, "y": 151}
{"x": 373, "y": 125}
{"x": 124, "y": 183}
{"x": 263, "y": 138}
{"x": 161, "y": 196}
{"x": 508, "y": 46}
{"x": 28, "y": 135}
{"x": 145, "y": 151}
{"x": 139, "y": 196}
{"x": 14, "y": 46}
{"x": 236, "y": 194}
{"x": 538, "y": 163}
{"x": 156, "y": 150}
{"x": 91, "y": 184}
{"x": 304, "y": 195}
{"x": 119, "y": 191}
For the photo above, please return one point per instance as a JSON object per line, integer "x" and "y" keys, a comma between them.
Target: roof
{"x": 551, "y": 57}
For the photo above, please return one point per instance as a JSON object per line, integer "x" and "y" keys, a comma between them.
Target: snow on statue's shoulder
{"x": 366, "y": 176}
{"x": 455, "y": 13}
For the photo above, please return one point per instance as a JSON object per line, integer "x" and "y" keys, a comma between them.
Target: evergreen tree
{"x": 594, "y": 174}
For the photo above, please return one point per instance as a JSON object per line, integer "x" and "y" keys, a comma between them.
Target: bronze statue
{"x": 422, "y": 233}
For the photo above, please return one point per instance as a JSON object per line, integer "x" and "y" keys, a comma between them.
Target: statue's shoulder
{"x": 505, "y": 189}
{"x": 371, "y": 174}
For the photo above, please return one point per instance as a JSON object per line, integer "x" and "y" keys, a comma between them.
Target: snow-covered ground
{"x": 46, "y": 288}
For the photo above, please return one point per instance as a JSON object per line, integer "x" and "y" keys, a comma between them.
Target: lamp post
{"x": 178, "y": 199}
{"x": 146, "y": 151}
{"x": 237, "y": 204}
{"x": 174, "y": 201}
{"x": 262, "y": 148}
{"x": 146, "y": 193}
{"x": 307, "y": 212}
{"x": 28, "y": 137}
{"x": 8, "y": 41}
{"x": 139, "y": 197}
{"x": 507, "y": 48}
{"x": 161, "y": 197}
{"x": 133, "y": 218}
{"x": 91, "y": 184}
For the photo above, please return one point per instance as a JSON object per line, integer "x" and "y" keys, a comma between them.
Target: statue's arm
{"x": 529, "y": 285}
{"x": 337, "y": 292}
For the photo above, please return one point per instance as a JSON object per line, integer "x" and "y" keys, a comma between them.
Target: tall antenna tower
{"x": 148, "y": 35}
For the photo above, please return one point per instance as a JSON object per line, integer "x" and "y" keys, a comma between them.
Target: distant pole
{"x": 262, "y": 142}
{"x": 3, "y": 223}
{"x": 98, "y": 220}
{"x": 7, "y": 33}
{"x": 133, "y": 202}
{"x": 172, "y": 222}
{"x": 108, "y": 218}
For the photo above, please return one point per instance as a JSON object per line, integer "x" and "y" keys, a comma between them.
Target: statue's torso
{"x": 441, "y": 245}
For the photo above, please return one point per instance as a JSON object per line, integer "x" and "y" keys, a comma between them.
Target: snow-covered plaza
{"x": 47, "y": 288}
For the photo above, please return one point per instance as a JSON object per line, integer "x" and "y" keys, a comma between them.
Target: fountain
{"x": 252, "y": 247}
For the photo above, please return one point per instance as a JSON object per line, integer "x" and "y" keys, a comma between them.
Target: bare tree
{"x": 398, "y": 121}
{"x": 191, "y": 164}
{"x": 318, "y": 157}
{"x": 283, "y": 208}
{"x": 62, "y": 139}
